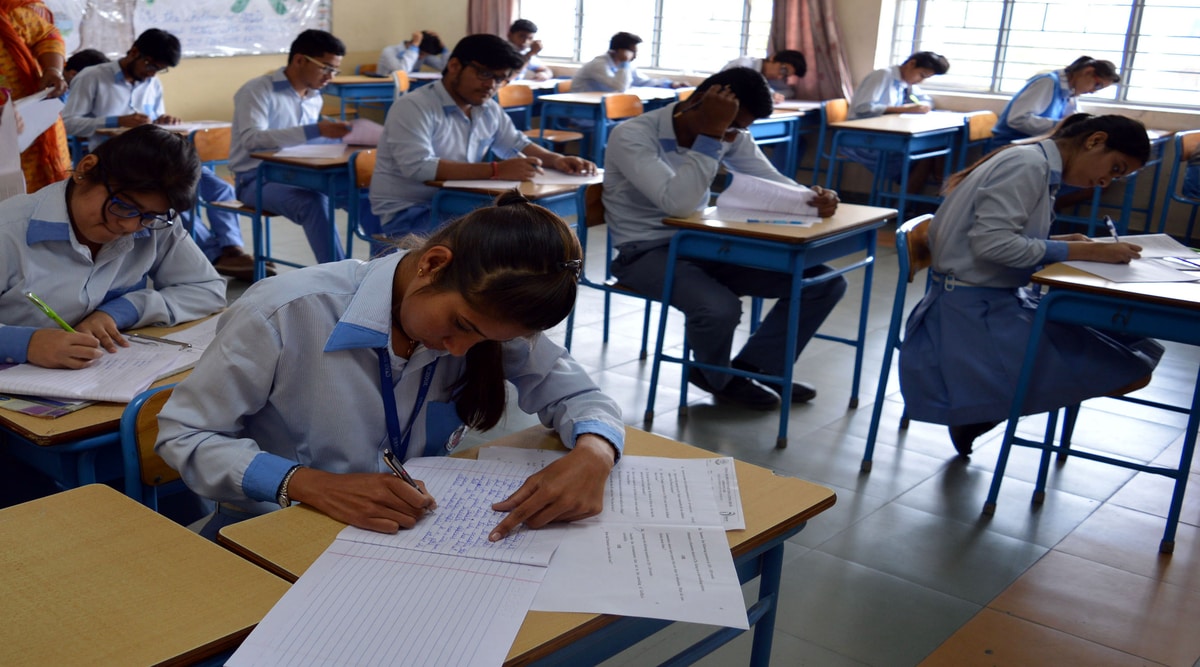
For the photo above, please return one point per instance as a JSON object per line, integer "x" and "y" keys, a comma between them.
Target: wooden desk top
{"x": 425, "y": 76}
{"x": 537, "y": 85}
{"x": 1180, "y": 295}
{"x": 529, "y": 189}
{"x": 312, "y": 162}
{"x": 185, "y": 127}
{"x": 356, "y": 79}
{"x": 90, "y": 577}
{"x": 798, "y": 105}
{"x": 288, "y": 541}
{"x": 848, "y": 217}
{"x": 905, "y": 123}
{"x": 594, "y": 97}
{"x": 93, "y": 420}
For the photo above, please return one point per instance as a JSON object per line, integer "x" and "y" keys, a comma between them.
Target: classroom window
{"x": 996, "y": 45}
{"x": 683, "y": 35}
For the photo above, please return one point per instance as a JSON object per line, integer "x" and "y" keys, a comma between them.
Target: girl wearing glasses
{"x": 91, "y": 245}
{"x": 313, "y": 375}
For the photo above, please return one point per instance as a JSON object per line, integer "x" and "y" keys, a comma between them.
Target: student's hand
{"x": 620, "y": 56}
{"x": 55, "y": 348}
{"x": 133, "y": 120}
{"x": 777, "y": 97}
{"x": 101, "y": 325}
{"x": 718, "y": 107}
{"x": 1112, "y": 253}
{"x": 53, "y": 79}
{"x": 535, "y": 47}
{"x": 825, "y": 201}
{"x": 333, "y": 129}
{"x": 166, "y": 119}
{"x": 570, "y": 164}
{"x": 569, "y": 489}
{"x": 374, "y": 501}
{"x": 679, "y": 84}
{"x": 917, "y": 108}
{"x": 415, "y": 40}
{"x": 1071, "y": 237}
{"x": 542, "y": 75}
{"x": 518, "y": 168}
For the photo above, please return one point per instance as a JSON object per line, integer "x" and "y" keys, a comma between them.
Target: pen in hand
{"x": 399, "y": 471}
{"x": 1112, "y": 229}
{"x": 42, "y": 306}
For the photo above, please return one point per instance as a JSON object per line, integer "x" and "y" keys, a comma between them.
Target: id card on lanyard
{"x": 398, "y": 440}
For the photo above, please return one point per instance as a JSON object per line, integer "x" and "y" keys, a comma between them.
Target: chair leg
{"x": 645, "y": 330}
{"x": 1070, "y": 416}
{"x": 1039, "y": 488}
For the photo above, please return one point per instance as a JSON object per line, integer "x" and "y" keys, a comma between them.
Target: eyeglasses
{"x": 325, "y": 68}
{"x": 486, "y": 74}
{"x": 154, "y": 67}
{"x": 126, "y": 211}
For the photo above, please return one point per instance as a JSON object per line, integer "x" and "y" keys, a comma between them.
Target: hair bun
{"x": 510, "y": 198}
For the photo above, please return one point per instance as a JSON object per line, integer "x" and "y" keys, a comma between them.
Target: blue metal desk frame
{"x": 781, "y": 129}
{"x": 785, "y": 255}
{"x": 590, "y": 110}
{"x": 1125, "y": 313}
{"x": 376, "y": 91}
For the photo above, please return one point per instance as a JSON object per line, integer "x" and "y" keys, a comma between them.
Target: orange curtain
{"x": 490, "y": 16}
{"x": 810, "y": 26}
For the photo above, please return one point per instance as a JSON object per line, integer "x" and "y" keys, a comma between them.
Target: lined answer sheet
{"x": 364, "y": 605}
{"x": 116, "y": 376}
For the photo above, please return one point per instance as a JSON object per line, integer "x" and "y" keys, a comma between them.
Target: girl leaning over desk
{"x": 966, "y": 340}
{"x": 291, "y": 400}
{"x": 1048, "y": 98}
{"x": 90, "y": 245}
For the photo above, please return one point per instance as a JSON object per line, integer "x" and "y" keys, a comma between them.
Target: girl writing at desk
{"x": 291, "y": 401}
{"x": 966, "y": 340}
{"x": 90, "y": 245}
{"x": 1048, "y": 98}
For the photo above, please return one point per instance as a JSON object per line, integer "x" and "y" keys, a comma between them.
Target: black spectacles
{"x": 325, "y": 69}
{"x": 126, "y": 211}
{"x": 486, "y": 74}
{"x": 155, "y": 67}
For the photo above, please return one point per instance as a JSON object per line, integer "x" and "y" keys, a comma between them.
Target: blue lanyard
{"x": 398, "y": 441}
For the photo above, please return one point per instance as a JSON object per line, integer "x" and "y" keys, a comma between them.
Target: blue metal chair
{"x": 832, "y": 111}
{"x": 145, "y": 472}
{"x": 1186, "y": 144}
{"x": 912, "y": 250}
{"x": 977, "y": 132}
{"x": 365, "y": 226}
{"x": 591, "y": 213}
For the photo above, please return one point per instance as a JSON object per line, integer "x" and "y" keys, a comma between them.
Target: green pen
{"x": 48, "y": 311}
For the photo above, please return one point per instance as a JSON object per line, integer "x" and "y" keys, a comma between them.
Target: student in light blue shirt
{"x": 92, "y": 245}
{"x": 425, "y": 48}
{"x": 520, "y": 35}
{"x": 444, "y": 130}
{"x": 281, "y": 109}
{"x": 614, "y": 72}
{"x": 776, "y": 69}
{"x": 127, "y": 93}
{"x": 1047, "y": 98}
{"x": 430, "y": 335}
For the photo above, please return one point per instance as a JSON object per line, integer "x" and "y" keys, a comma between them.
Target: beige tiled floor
{"x": 904, "y": 570}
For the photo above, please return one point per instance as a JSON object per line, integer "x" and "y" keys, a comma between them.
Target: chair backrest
{"x": 980, "y": 125}
{"x": 684, "y": 93}
{"x": 912, "y": 243}
{"x": 363, "y": 163}
{"x": 1186, "y": 143}
{"x": 593, "y": 200}
{"x": 212, "y": 144}
{"x": 622, "y": 105}
{"x": 368, "y": 68}
{"x": 514, "y": 95}
{"x": 563, "y": 86}
{"x": 144, "y": 469}
{"x": 400, "y": 77}
{"x": 835, "y": 111}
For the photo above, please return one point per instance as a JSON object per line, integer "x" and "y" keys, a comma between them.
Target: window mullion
{"x": 1131, "y": 44}
{"x": 1002, "y": 44}
{"x": 658, "y": 21}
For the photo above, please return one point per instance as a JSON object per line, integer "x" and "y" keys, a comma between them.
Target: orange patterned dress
{"x": 27, "y": 31}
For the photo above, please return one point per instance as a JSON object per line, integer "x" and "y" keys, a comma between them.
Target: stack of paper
{"x": 753, "y": 199}
{"x": 1163, "y": 260}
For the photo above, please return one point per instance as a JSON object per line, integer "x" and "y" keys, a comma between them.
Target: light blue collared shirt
{"x": 605, "y": 76}
{"x": 407, "y": 57}
{"x": 426, "y": 126}
{"x": 269, "y": 114}
{"x": 100, "y": 94}
{"x": 648, "y": 176}
{"x": 293, "y": 378}
{"x": 40, "y": 253}
{"x": 881, "y": 89}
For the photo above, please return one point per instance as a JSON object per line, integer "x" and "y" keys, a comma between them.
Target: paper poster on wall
{"x": 204, "y": 27}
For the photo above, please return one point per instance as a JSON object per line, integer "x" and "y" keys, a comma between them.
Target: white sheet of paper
{"x": 192, "y": 125}
{"x": 38, "y": 113}
{"x": 368, "y": 605}
{"x": 313, "y": 150}
{"x": 465, "y": 490}
{"x": 12, "y": 179}
{"x": 1137, "y": 271}
{"x": 555, "y": 177}
{"x": 116, "y": 377}
{"x": 363, "y": 132}
{"x": 730, "y": 214}
{"x": 1154, "y": 245}
{"x": 670, "y": 572}
{"x": 788, "y": 200}
{"x": 483, "y": 184}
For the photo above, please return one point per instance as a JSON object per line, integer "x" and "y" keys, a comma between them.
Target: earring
{"x": 420, "y": 272}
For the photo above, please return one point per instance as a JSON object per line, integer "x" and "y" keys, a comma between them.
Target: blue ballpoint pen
{"x": 1112, "y": 229}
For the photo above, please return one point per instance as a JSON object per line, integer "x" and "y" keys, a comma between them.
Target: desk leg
{"x": 768, "y": 587}
{"x": 331, "y": 190}
{"x": 861, "y": 340}
{"x": 257, "y": 231}
{"x": 1185, "y": 465}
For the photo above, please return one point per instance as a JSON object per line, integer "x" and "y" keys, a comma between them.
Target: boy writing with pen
{"x": 443, "y": 131}
{"x": 88, "y": 247}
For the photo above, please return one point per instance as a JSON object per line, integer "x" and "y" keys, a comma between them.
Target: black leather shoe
{"x": 802, "y": 392}
{"x": 964, "y": 435}
{"x": 738, "y": 391}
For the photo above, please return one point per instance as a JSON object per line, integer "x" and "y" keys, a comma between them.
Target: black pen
{"x": 399, "y": 471}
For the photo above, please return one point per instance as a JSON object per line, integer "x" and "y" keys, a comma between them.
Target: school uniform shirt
{"x": 1036, "y": 108}
{"x": 643, "y": 156}
{"x": 425, "y": 126}
{"x": 293, "y": 377}
{"x": 40, "y": 253}
{"x": 269, "y": 114}
{"x": 777, "y": 85}
{"x": 100, "y": 95}
{"x": 407, "y": 57}
{"x": 605, "y": 76}
{"x": 881, "y": 89}
{"x": 531, "y": 67}
{"x": 965, "y": 342}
